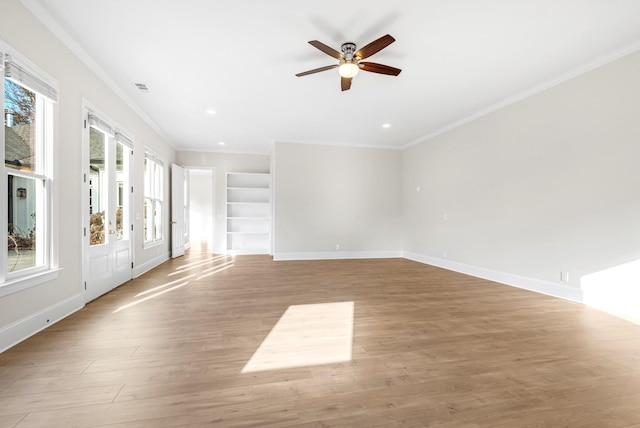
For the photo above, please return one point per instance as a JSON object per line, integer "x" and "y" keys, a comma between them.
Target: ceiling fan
{"x": 351, "y": 60}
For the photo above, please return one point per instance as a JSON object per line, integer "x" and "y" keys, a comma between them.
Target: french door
{"x": 107, "y": 186}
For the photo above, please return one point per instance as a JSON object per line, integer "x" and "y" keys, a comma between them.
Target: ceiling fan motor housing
{"x": 348, "y": 49}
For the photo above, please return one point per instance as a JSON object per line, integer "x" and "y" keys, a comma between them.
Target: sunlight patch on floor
{"x": 615, "y": 290}
{"x": 196, "y": 265}
{"x": 215, "y": 269}
{"x": 307, "y": 335}
{"x": 160, "y": 287}
{"x": 151, "y": 296}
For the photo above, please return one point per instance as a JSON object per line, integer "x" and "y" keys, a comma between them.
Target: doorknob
{"x": 174, "y": 222}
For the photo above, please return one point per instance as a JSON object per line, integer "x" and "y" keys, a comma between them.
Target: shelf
{"x": 248, "y": 213}
{"x": 248, "y": 210}
{"x": 242, "y": 180}
{"x": 248, "y": 195}
{"x": 247, "y": 233}
{"x": 247, "y": 203}
{"x": 245, "y": 242}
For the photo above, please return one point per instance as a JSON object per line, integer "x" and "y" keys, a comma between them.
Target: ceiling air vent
{"x": 142, "y": 87}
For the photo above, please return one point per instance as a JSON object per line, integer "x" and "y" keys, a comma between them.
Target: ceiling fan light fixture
{"x": 349, "y": 61}
{"x": 348, "y": 69}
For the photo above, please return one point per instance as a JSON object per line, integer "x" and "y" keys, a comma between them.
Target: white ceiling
{"x": 459, "y": 58}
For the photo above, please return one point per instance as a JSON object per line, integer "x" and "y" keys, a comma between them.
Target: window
{"x": 108, "y": 166}
{"x": 27, "y": 173}
{"x": 153, "y": 190}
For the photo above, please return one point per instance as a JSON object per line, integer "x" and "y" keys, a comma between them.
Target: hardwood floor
{"x": 390, "y": 342}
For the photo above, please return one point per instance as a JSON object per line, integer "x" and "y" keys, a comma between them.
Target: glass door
{"x": 108, "y": 243}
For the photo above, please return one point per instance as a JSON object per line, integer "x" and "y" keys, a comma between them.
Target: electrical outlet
{"x": 444, "y": 254}
{"x": 337, "y": 246}
{"x": 564, "y": 276}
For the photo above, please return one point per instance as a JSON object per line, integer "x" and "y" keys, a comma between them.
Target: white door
{"x": 177, "y": 210}
{"x": 108, "y": 243}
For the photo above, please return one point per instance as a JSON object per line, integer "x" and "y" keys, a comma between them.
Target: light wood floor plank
{"x": 429, "y": 347}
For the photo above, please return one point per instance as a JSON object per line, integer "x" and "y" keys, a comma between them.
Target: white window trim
{"x": 14, "y": 282}
{"x": 28, "y": 281}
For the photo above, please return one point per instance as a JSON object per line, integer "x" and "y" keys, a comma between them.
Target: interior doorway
{"x": 200, "y": 216}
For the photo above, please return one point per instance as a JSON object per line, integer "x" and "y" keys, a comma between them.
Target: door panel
{"x": 98, "y": 279}
{"x": 99, "y": 264}
{"x": 122, "y": 197}
{"x": 177, "y": 211}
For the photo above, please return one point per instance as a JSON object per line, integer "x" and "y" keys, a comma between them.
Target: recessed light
{"x": 386, "y": 125}
{"x": 211, "y": 111}
{"x": 222, "y": 143}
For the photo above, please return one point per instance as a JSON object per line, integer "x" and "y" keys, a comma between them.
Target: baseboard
{"x": 336, "y": 255}
{"x": 536, "y": 285}
{"x": 22, "y": 329}
{"x": 147, "y": 266}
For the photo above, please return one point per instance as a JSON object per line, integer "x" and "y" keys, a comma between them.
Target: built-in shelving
{"x": 248, "y": 213}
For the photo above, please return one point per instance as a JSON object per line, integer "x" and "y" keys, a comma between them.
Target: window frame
{"x": 47, "y": 214}
{"x": 154, "y": 192}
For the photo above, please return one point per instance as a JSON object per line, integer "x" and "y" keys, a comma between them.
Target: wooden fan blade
{"x": 317, "y": 70}
{"x": 379, "y": 68}
{"x": 345, "y": 83}
{"x": 373, "y": 47}
{"x": 326, "y": 49}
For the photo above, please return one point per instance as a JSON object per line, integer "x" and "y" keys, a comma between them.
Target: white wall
{"x": 27, "y": 311}
{"x": 328, "y": 195}
{"x": 550, "y": 184}
{"x": 223, "y": 163}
